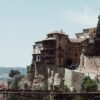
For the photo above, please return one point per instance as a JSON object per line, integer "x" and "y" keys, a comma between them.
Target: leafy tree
{"x": 13, "y": 73}
{"x": 88, "y": 84}
{"x": 30, "y": 68}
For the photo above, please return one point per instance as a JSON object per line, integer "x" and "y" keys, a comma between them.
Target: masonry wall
{"x": 73, "y": 79}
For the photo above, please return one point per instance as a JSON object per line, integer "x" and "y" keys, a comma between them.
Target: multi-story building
{"x": 52, "y": 52}
{"x": 75, "y": 49}
{"x": 87, "y": 33}
{"x": 58, "y": 50}
{"x": 37, "y": 51}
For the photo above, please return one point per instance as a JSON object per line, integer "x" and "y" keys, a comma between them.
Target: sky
{"x": 22, "y": 22}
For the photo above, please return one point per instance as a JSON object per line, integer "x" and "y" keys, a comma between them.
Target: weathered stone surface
{"x": 38, "y": 83}
{"x": 91, "y": 65}
{"x": 73, "y": 79}
{"x": 57, "y": 79}
{"x": 15, "y": 80}
{"x": 50, "y": 80}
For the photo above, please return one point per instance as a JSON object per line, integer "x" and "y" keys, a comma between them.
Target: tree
{"x": 13, "y": 73}
{"x": 88, "y": 84}
{"x": 31, "y": 68}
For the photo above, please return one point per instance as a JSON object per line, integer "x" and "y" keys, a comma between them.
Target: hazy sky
{"x": 22, "y": 22}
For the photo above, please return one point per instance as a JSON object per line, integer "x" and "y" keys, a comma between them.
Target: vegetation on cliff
{"x": 88, "y": 85}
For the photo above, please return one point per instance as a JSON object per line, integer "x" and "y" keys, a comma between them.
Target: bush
{"x": 31, "y": 68}
{"x": 13, "y": 73}
{"x": 88, "y": 84}
{"x": 64, "y": 88}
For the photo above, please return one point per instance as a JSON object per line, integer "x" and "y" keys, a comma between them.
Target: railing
{"x": 47, "y": 95}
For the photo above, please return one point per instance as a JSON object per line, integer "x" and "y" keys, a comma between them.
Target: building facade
{"x": 57, "y": 50}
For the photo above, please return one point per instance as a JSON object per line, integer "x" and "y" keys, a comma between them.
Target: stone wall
{"x": 91, "y": 65}
{"x": 73, "y": 79}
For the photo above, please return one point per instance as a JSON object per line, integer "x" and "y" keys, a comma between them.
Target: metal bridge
{"x": 49, "y": 95}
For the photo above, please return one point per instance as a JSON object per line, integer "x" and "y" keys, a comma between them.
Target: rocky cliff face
{"x": 91, "y": 65}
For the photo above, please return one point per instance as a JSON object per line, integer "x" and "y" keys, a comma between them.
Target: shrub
{"x": 13, "y": 73}
{"x": 88, "y": 84}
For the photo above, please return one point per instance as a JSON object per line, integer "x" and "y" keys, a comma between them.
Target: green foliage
{"x": 17, "y": 97}
{"x": 64, "y": 88}
{"x": 9, "y": 82}
{"x": 31, "y": 68}
{"x": 28, "y": 67}
{"x": 88, "y": 84}
{"x": 13, "y": 73}
{"x": 12, "y": 97}
{"x": 14, "y": 85}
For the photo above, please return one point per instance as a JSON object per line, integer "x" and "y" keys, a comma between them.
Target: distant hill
{"x": 6, "y": 70}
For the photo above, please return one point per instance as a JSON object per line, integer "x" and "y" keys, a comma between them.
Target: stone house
{"x": 57, "y": 50}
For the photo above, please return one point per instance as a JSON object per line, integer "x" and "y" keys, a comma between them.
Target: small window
{"x": 70, "y": 49}
{"x": 60, "y": 60}
{"x": 75, "y": 54}
{"x": 50, "y": 35}
{"x": 33, "y": 46}
{"x": 51, "y": 52}
{"x": 34, "y": 57}
{"x": 38, "y": 58}
{"x": 60, "y": 37}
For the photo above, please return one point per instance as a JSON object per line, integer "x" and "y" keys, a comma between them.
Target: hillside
{"x": 4, "y": 71}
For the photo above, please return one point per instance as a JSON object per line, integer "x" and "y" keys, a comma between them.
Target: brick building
{"x": 58, "y": 50}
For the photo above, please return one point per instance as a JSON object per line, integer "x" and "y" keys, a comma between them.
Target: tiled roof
{"x": 57, "y": 32}
{"x": 38, "y": 41}
{"x": 49, "y": 39}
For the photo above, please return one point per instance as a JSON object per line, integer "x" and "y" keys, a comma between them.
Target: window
{"x": 50, "y": 35}
{"x": 60, "y": 60}
{"x": 70, "y": 49}
{"x": 38, "y": 58}
{"x": 75, "y": 54}
{"x": 60, "y": 37}
{"x": 34, "y": 57}
{"x": 51, "y": 52}
{"x": 33, "y": 46}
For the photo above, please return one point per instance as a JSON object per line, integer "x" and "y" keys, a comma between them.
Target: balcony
{"x": 49, "y": 61}
{"x": 47, "y": 56}
{"x": 49, "y": 48}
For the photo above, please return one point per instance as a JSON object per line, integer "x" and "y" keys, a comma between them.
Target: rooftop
{"x": 49, "y": 39}
{"x": 77, "y": 40}
{"x": 57, "y": 32}
{"x": 88, "y": 30}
